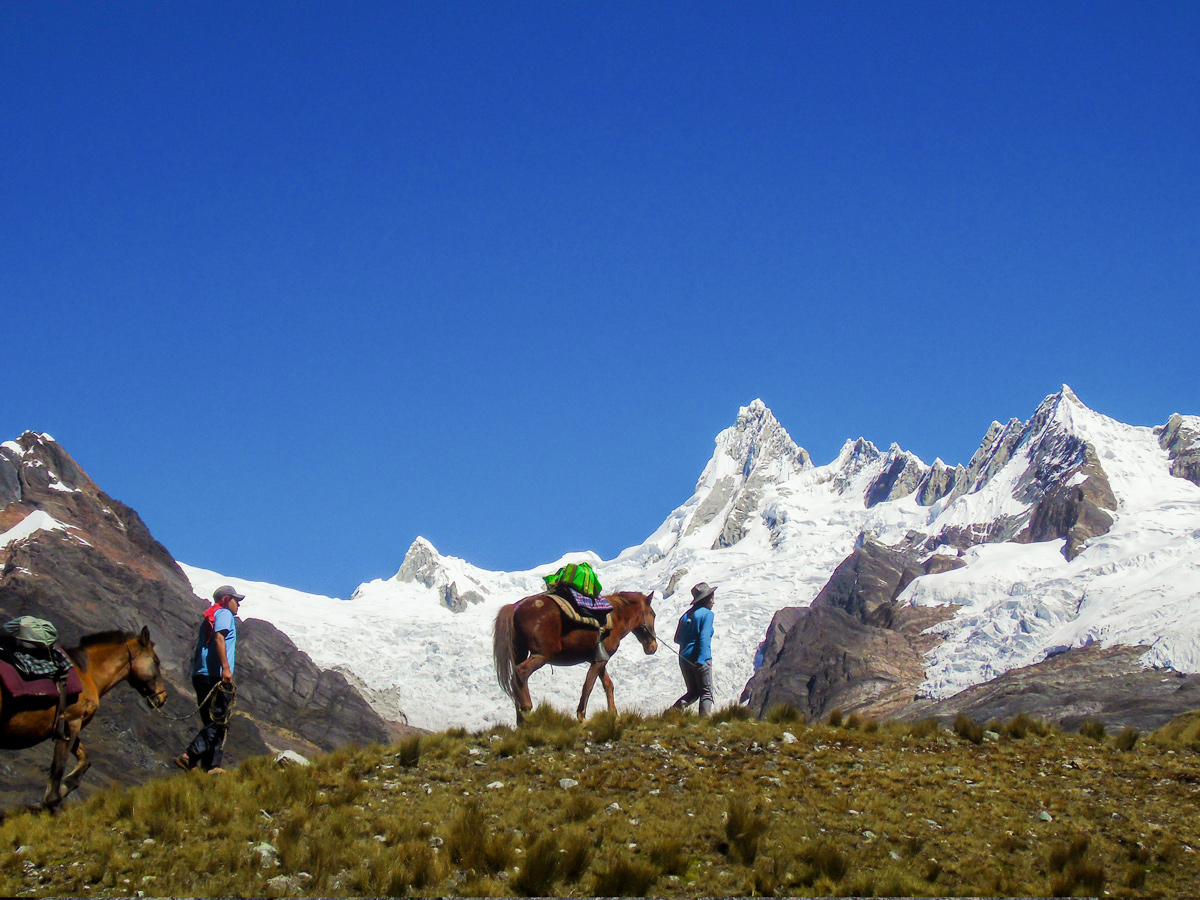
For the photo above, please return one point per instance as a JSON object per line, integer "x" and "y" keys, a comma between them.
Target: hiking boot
{"x": 185, "y": 762}
{"x": 216, "y": 770}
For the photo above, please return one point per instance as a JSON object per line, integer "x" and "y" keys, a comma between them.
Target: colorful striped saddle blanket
{"x": 580, "y": 618}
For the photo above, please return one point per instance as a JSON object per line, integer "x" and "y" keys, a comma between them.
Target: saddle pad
{"x": 16, "y": 686}
{"x": 576, "y": 616}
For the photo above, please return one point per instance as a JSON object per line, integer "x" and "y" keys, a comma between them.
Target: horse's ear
{"x": 649, "y": 598}
{"x": 144, "y": 637}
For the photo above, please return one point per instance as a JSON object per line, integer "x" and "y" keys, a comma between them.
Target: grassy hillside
{"x": 672, "y": 805}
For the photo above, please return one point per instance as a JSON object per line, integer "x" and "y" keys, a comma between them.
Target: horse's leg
{"x": 593, "y": 670}
{"x": 82, "y": 765}
{"x": 58, "y": 763}
{"x": 523, "y": 671}
{"x": 608, "y": 689}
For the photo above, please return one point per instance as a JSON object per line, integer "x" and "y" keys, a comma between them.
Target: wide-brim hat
{"x": 702, "y": 592}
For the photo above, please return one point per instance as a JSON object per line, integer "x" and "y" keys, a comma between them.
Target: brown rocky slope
{"x": 100, "y": 568}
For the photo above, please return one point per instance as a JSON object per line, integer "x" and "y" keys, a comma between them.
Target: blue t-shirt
{"x": 694, "y": 634}
{"x": 206, "y": 661}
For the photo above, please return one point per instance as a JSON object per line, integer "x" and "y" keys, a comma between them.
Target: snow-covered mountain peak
{"x": 756, "y": 440}
{"x": 422, "y": 564}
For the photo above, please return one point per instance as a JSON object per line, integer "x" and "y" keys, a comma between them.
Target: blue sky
{"x": 302, "y": 281}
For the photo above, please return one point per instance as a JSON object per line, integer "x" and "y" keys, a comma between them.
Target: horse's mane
{"x": 114, "y": 636}
{"x": 620, "y": 601}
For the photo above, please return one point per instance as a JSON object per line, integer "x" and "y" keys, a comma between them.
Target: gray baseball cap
{"x": 226, "y": 591}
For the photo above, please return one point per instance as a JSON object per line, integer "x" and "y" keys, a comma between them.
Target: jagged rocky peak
{"x": 421, "y": 564}
{"x": 750, "y": 457}
{"x": 1051, "y": 423}
{"x": 902, "y": 474}
{"x": 1180, "y": 437}
{"x": 994, "y": 451}
{"x": 939, "y": 482}
{"x": 757, "y": 440}
{"x": 36, "y": 462}
{"x": 852, "y": 461}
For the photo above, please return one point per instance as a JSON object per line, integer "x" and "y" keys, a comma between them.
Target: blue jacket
{"x": 694, "y": 635}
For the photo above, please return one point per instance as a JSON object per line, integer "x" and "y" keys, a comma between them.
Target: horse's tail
{"x": 504, "y": 652}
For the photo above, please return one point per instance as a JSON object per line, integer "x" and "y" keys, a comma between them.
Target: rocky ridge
{"x": 76, "y": 556}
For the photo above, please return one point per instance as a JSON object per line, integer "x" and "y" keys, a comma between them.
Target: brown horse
{"x": 102, "y": 661}
{"x": 534, "y": 631}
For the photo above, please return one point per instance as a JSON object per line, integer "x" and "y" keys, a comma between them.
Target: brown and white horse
{"x": 534, "y": 631}
{"x": 102, "y": 661}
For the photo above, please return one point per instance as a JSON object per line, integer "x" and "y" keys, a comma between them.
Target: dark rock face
{"x": 456, "y": 602}
{"x": 829, "y": 659}
{"x": 900, "y": 478}
{"x": 995, "y": 450}
{"x": 853, "y": 649}
{"x": 1109, "y": 684}
{"x": 869, "y": 578}
{"x": 1180, "y": 437}
{"x": 940, "y": 482}
{"x": 104, "y": 571}
{"x": 1074, "y": 512}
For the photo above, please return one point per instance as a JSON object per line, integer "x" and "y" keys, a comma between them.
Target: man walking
{"x": 693, "y": 634}
{"x": 212, "y": 678}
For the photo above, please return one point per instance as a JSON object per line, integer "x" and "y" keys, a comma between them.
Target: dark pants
{"x": 698, "y": 681}
{"x": 207, "y": 746}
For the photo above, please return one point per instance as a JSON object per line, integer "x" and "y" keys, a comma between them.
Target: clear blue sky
{"x": 302, "y": 281}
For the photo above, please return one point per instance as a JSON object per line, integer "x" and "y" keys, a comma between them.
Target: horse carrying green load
{"x": 579, "y": 576}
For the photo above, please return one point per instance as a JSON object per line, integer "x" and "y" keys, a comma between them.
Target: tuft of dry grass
{"x": 1093, "y": 729}
{"x": 733, "y": 712}
{"x": 408, "y": 754}
{"x": 826, "y": 860}
{"x": 925, "y": 728}
{"x": 624, "y": 877}
{"x": 744, "y": 828}
{"x": 785, "y": 714}
{"x": 1126, "y": 740}
{"x": 968, "y": 729}
{"x": 605, "y": 726}
{"x": 540, "y": 866}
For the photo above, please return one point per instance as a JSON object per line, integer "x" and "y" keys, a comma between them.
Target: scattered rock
{"x": 286, "y": 885}
{"x": 1045, "y": 816}
{"x": 495, "y": 785}
{"x": 267, "y": 854}
{"x": 566, "y": 783}
{"x": 290, "y": 758}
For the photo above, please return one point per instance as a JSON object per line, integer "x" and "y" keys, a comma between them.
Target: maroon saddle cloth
{"x": 22, "y": 688}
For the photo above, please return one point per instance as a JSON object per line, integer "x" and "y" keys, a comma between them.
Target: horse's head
{"x": 645, "y": 631}
{"x": 145, "y": 672}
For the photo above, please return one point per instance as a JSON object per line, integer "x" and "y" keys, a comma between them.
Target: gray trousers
{"x": 698, "y": 681}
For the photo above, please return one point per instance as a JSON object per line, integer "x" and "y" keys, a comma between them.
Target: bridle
{"x": 145, "y": 688}
{"x": 644, "y": 633}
